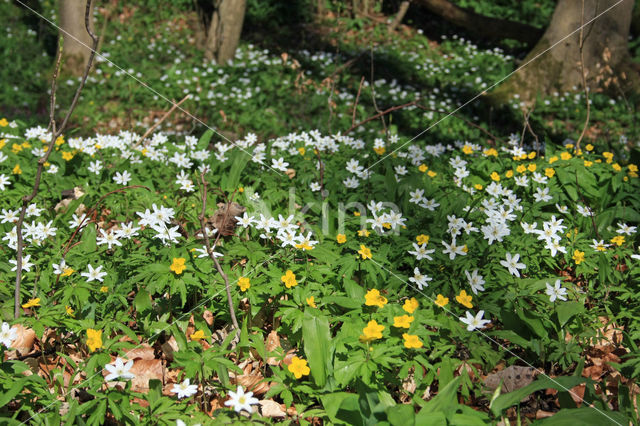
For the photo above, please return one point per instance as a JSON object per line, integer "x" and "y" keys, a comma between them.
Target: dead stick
{"x": 164, "y": 117}
{"x": 212, "y": 256}
{"x": 355, "y": 105}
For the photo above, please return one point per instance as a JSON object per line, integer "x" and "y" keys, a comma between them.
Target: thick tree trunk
{"x": 224, "y": 31}
{"x": 607, "y": 63}
{"x": 75, "y": 53}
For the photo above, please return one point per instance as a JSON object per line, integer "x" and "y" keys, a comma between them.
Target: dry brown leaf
{"x": 169, "y": 347}
{"x": 25, "y": 339}
{"x": 270, "y": 408}
{"x": 291, "y": 173}
{"x": 512, "y": 378}
{"x": 224, "y": 219}
{"x": 272, "y": 343}
{"x": 145, "y": 370}
{"x": 142, "y": 352}
{"x": 208, "y": 317}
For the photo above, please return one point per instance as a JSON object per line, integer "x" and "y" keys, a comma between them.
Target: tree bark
{"x": 607, "y": 63}
{"x": 224, "y": 31}
{"x": 483, "y": 26}
{"x": 75, "y": 53}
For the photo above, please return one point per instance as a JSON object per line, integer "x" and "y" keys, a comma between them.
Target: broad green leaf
{"x": 317, "y": 346}
{"x": 584, "y": 416}
{"x": 566, "y": 310}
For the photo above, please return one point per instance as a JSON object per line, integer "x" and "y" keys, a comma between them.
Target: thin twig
{"x": 373, "y": 96}
{"x": 164, "y": 117}
{"x": 355, "y": 105}
{"x": 232, "y": 312}
{"x": 584, "y": 80}
{"x": 56, "y": 132}
{"x": 381, "y": 113}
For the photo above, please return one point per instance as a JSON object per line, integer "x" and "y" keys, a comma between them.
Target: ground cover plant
{"x": 308, "y": 259}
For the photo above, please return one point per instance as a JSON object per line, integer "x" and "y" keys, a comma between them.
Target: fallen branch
{"x": 56, "y": 132}
{"x": 483, "y": 26}
{"x": 402, "y": 10}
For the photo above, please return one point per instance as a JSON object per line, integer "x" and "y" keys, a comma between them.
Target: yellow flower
{"x": 495, "y": 176}
{"x": 301, "y": 150}
{"x": 553, "y": 159}
{"x": 509, "y": 174}
{"x": 618, "y": 240}
{"x": 464, "y": 299}
{"x": 490, "y": 152}
{"x": 241, "y": 189}
{"x": 521, "y": 168}
{"x": 410, "y": 305}
{"x": 616, "y": 167}
{"x": 386, "y": 225}
{"x": 67, "y": 271}
{"x": 94, "y": 339}
{"x": 569, "y": 145}
{"x": 341, "y": 238}
{"x": 549, "y": 172}
{"x": 411, "y": 341}
{"x": 197, "y": 335}
{"x": 565, "y": 155}
{"x": 372, "y": 331}
{"x": 374, "y": 298}
{"x": 364, "y": 233}
{"x": 244, "y": 283}
{"x": 532, "y": 167}
{"x": 299, "y": 367}
{"x": 311, "y": 301}
{"x": 589, "y": 147}
{"x": 380, "y": 150}
{"x": 364, "y": 252}
{"x": 532, "y": 155}
{"x": 423, "y": 168}
{"x": 442, "y": 301}
{"x": 588, "y": 163}
{"x": 2, "y": 143}
{"x": 32, "y": 303}
{"x": 178, "y": 265}
{"x": 4, "y": 122}
{"x": 633, "y": 168}
{"x": 403, "y": 321}
{"x": 422, "y": 239}
{"x": 66, "y": 155}
{"x": 69, "y": 311}
{"x": 60, "y": 140}
{"x": 578, "y": 256}
{"x": 17, "y": 170}
{"x": 356, "y": 214}
{"x": 431, "y": 173}
{"x": 104, "y": 289}
{"x": 608, "y": 156}
{"x": 467, "y": 149}
{"x": 289, "y": 279}
{"x": 16, "y": 148}
{"x": 478, "y": 186}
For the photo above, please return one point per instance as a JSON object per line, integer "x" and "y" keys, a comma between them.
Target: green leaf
{"x": 566, "y": 310}
{"x": 142, "y": 301}
{"x": 512, "y": 398}
{"x": 584, "y": 416}
{"x": 401, "y": 415}
{"x": 446, "y": 401}
{"x": 203, "y": 143}
{"x": 317, "y": 346}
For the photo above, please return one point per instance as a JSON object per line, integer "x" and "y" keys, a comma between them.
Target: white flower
{"x": 314, "y": 186}
{"x": 475, "y": 281}
{"x": 95, "y": 167}
{"x": 4, "y": 182}
{"x": 419, "y": 279}
{"x": 279, "y": 164}
{"x": 623, "y": 228}
{"x": 184, "y": 389}
{"x": 122, "y": 178}
{"x": 474, "y": 322}
{"x": 94, "y": 274}
{"x": 512, "y": 264}
{"x": 7, "y": 335}
{"x": 556, "y": 291}
{"x": 452, "y": 249}
{"x": 119, "y": 370}
{"x": 240, "y": 400}
{"x": 26, "y": 265}
{"x": 421, "y": 252}
{"x": 245, "y": 220}
{"x": 127, "y": 231}
{"x": 542, "y": 195}
{"x": 109, "y": 239}
{"x": 9, "y": 216}
{"x": 77, "y": 221}
{"x": 33, "y": 210}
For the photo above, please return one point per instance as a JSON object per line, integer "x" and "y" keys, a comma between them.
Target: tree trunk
{"x": 224, "y": 31}
{"x": 75, "y": 53}
{"x": 607, "y": 63}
